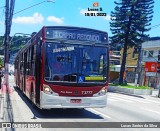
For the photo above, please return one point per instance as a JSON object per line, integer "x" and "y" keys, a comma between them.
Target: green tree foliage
{"x": 129, "y": 22}
{"x": 17, "y": 42}
{"x": 1, "y": 41}
{"x": 1, "y": 45}
{"x": 1, "y": 62}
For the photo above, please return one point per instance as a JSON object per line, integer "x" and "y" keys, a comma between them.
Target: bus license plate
{"x": 75, "y": 100}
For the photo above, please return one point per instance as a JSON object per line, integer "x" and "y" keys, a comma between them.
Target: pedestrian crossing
{"x": 115, "y": 97}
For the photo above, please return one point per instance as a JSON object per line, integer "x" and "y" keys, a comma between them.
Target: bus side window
{"x": 22, "y": 63}
{"x": 28, "y": 60}
{"x": 32, "y": 59}
{"x": 31, "y": 63}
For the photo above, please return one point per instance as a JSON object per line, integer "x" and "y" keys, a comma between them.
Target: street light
{"x": 34, "y": 5}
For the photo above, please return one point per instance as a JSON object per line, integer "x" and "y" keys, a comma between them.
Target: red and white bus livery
{"x": 64, "y": 67}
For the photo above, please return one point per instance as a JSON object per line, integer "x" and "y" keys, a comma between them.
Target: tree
{"x": 17, "y": 42}
{"x": 129, "y": 22}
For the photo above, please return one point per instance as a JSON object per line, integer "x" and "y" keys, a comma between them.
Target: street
{"x": 15, "y": 107}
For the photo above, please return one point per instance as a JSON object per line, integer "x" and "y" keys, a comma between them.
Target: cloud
{"x": 35, "y": 19}
{"x": 56, "y": 19}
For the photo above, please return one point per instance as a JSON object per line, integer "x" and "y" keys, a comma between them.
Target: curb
{"x": 130, "y": 91}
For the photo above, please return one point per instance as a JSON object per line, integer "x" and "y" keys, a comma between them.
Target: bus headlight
{"x": 48, "y": 90}
{"x": 102, "y": 92}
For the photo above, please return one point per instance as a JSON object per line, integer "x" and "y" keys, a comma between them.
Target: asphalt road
{"x": 14, "y": 107}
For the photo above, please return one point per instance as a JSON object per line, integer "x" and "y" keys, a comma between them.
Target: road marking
{"x": 150, "y": 110}
{"x": 112, "y": 100}
{"x": 137, "y": 100}
{"x": 121, "y": 99}
{"x": 99, "y": 113}
{"x": 152, "y": 101}
{"x": 133, "y": 99}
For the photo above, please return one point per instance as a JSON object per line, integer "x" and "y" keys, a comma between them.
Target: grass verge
{"x": 130, "y": 86}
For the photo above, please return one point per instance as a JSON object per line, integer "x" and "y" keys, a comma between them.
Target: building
{"x": 114, "y": 65}
{"x": 149, "y": 63}
{"x": 131, "y": 63}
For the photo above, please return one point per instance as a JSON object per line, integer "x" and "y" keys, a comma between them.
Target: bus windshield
{"x": 75, "y": 63}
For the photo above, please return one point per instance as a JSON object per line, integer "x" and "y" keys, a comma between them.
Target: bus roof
{"x": 75, "y": 28}
{"x": 69, "y": 29}
{"x": 74, "y": 33}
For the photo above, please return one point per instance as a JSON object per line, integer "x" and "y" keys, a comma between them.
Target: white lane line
{"x": 152, "y": 101}
{"x": 122, "y": 99}
{"x": 133, "y": 99}
{"x": 99, "y": 113}
{"x": 136, "y": 100}
{"x": 112, "y": 100}
{"x": 150, "y": 110}
{"x": 143, "y": 101}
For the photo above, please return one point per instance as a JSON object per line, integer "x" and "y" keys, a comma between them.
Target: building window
{"x": 145, "y": 53}
{"x": 150, "y": 54}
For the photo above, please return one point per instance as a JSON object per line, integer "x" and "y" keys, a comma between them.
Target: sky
{"x": 65, "y": 13}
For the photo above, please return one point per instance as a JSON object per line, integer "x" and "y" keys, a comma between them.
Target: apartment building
{"x": 148, "y": 64}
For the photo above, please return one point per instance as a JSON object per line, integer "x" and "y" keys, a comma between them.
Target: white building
{"x": 150, "y": 51}
{"x": 149, "y": 55}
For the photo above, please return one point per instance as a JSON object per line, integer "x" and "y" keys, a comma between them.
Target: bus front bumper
{"x": 51, "y": 101}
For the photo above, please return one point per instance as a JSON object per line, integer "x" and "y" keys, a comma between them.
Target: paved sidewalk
{"x": 2, "y": 103}
{"x": 5, "y": 102}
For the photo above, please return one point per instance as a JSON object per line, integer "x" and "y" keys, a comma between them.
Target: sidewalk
{"x": 4, "y": 89}
{"x": 4, "y": 92}
{"x": 2, "y": 102}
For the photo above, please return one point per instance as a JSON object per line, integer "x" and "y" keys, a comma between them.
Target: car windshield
{"x": 75, "y": 63}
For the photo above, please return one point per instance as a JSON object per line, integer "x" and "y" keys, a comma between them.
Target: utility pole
{"x": 6, "y": 41}
{"x": 137, "y": 77}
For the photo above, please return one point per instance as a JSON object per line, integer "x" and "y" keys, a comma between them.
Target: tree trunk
{"x": 125, "y": 47}
{"x": 123, "y": 61}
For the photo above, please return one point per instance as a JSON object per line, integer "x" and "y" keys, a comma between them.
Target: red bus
{"x": 64, "y": 67}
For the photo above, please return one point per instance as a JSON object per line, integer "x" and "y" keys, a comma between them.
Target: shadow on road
{"x": 57, "y": 113}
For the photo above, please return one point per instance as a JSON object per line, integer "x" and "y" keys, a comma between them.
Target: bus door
{"x": 38, "y": 71}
